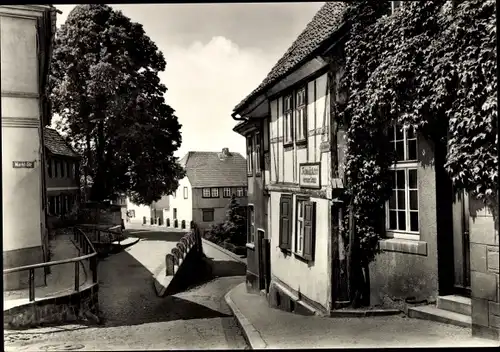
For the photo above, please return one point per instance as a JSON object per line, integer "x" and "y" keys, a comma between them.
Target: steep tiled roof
{"x": 323, "y": 25}
{"x": 56, "y": 143}
{"x": 209, "y": 169}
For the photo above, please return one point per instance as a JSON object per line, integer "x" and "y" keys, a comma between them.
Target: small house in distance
{"x": 204, "y": 194}
{"x": 62, "y": 178}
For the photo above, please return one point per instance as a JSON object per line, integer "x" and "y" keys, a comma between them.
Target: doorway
{"x": 461, "y": 251}
{"x": 264, "y": 258}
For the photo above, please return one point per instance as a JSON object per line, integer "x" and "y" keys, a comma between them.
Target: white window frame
{"x": 214, "y": 192}
{"x": 207, "y": 193}
{"x": 257, "y": 148}
{"x": 299, "y": 227}
{"x": 405, "y": 165}
{"x": 249, "y": 155}
{"x": 288, "y": 119}
{"x": 395, "y": 7}
{"x": 227, "y": 192}
{"x": 300, "y": 115}
{"x": 239, "y": 192}
{"x": 185, "y": 190}
{"x": 251, "y": 229}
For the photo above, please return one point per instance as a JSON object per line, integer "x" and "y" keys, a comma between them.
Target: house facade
{"x": 26, "y": 33}
{"x": 62, "y": 179}
{"x": 437, "y": 247}
{"x": 204, "y": 194}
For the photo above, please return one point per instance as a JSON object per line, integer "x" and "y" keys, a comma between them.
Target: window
{"x": 206, "y": 193}
{"x": 185, "y": 193}
{"x": 58, "y": 205}
{"x": 299, "y": 238}
{"x": 73, "y": 166}
{"x": 395, "y": 5}
{"x": 402, "y": 209}
{"x": 56, "y": 167}
{"x": 175, "y": 213}
{"x": 249, "y": 156}
{"x": 68, "y": 169}
{"x": 300, "y": 115}
{"x": 239, "y": 192}
{"x": 251, "y": 224}
{"x": 63, "y": 168}
{"x": 305, "y": 220}
{"x": 227, "y": 192}
{"x": 174, "y": 195}
{"x": 257, "y": 154}
{"x": 287, "y": 119}
{"x": 131, "y": 213}
{"x": 245, "y": 190}
{"x": 215, "y": 192}
{"x": 208, "y": 215}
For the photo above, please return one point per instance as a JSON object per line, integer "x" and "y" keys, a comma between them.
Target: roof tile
{"x": 56, "y": 143}
{"x": 208, "y": 169}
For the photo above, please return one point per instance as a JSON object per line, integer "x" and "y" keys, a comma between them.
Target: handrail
{"x": 49, "y": 264}
{"x": 85, "y": 245}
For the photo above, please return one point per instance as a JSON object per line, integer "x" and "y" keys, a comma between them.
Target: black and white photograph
{"x": 250, "y": 175}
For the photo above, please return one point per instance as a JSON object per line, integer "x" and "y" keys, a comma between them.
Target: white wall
{"x": 21, "y": 139}
{"x": 140, "y": 212}
{"x": 285, "y": 164}
{"x": 184, "y": 206}
{"x": 313, "y": 280}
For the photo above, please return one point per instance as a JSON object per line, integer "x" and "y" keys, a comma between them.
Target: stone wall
{"x": 83, "y": 305}
{"x": 485, "y": 282}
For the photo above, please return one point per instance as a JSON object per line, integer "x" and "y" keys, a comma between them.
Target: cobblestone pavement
{"x": 135, "y": 318}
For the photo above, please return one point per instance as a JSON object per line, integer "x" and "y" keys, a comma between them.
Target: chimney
{"x": 224, "y": 154}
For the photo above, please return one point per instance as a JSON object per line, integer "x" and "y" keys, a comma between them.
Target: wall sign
{"x": 310, "y": 175}
{"x": 23, "y": 164}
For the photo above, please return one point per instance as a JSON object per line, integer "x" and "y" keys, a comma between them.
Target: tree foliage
{"x": 233, "y": 228}
{"x": 431, "y": 66}
{"x": 104, "y": 84}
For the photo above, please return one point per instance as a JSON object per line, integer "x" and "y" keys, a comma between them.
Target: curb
{"x": 223, "y": 250}
{"x": 251, "y": 334}
{"x": 355, "y": 313}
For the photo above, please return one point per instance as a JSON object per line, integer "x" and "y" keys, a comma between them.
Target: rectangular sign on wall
{"x": 23, "y": 164}
{"x": 310, "y": 175}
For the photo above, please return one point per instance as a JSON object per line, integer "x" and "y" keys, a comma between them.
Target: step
{"x": 455, "y": 303}
{"x": 431, "y": 312}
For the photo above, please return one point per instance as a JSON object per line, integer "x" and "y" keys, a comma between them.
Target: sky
{"x": 216, "y": 55}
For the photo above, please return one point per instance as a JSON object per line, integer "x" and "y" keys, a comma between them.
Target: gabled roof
{"x": 210, "y": 169}
{"x": 324, "y": 24}
{"x": 56, "y": 144}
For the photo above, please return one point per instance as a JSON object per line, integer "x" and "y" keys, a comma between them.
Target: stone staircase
{"x": 452, "y": 309}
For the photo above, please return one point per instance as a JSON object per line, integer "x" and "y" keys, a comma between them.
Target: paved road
{"x": 136, "y": 319}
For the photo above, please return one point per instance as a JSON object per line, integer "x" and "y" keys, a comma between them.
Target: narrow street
{"x": 134, "y": 318}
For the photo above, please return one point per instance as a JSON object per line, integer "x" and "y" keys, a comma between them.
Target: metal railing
{"x": 83, "y": 244}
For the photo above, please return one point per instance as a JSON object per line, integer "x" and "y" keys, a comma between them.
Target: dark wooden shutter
{"x": 309, "y": 230}
{"x": 285, "y": 222}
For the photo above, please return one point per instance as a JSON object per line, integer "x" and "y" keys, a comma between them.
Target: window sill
{"x": 258, "y": 174}
{"x": 403, "y": 246}
{"x": 301, "y": 142}
{"x": 250, "y": 246}
{"x": 288, "y": 145}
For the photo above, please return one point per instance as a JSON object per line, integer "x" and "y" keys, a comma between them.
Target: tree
{"x": 104, "y": 84}
{"x": 232, "y": 229}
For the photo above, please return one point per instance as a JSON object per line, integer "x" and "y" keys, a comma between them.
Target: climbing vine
{"x": 430, "y": 66}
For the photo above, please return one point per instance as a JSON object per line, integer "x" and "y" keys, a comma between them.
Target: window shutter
{"x": 285, "y": 222}
{"x": 309, "y": 230}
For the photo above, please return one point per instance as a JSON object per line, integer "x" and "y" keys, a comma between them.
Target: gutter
{"x": 240, "y": 118}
